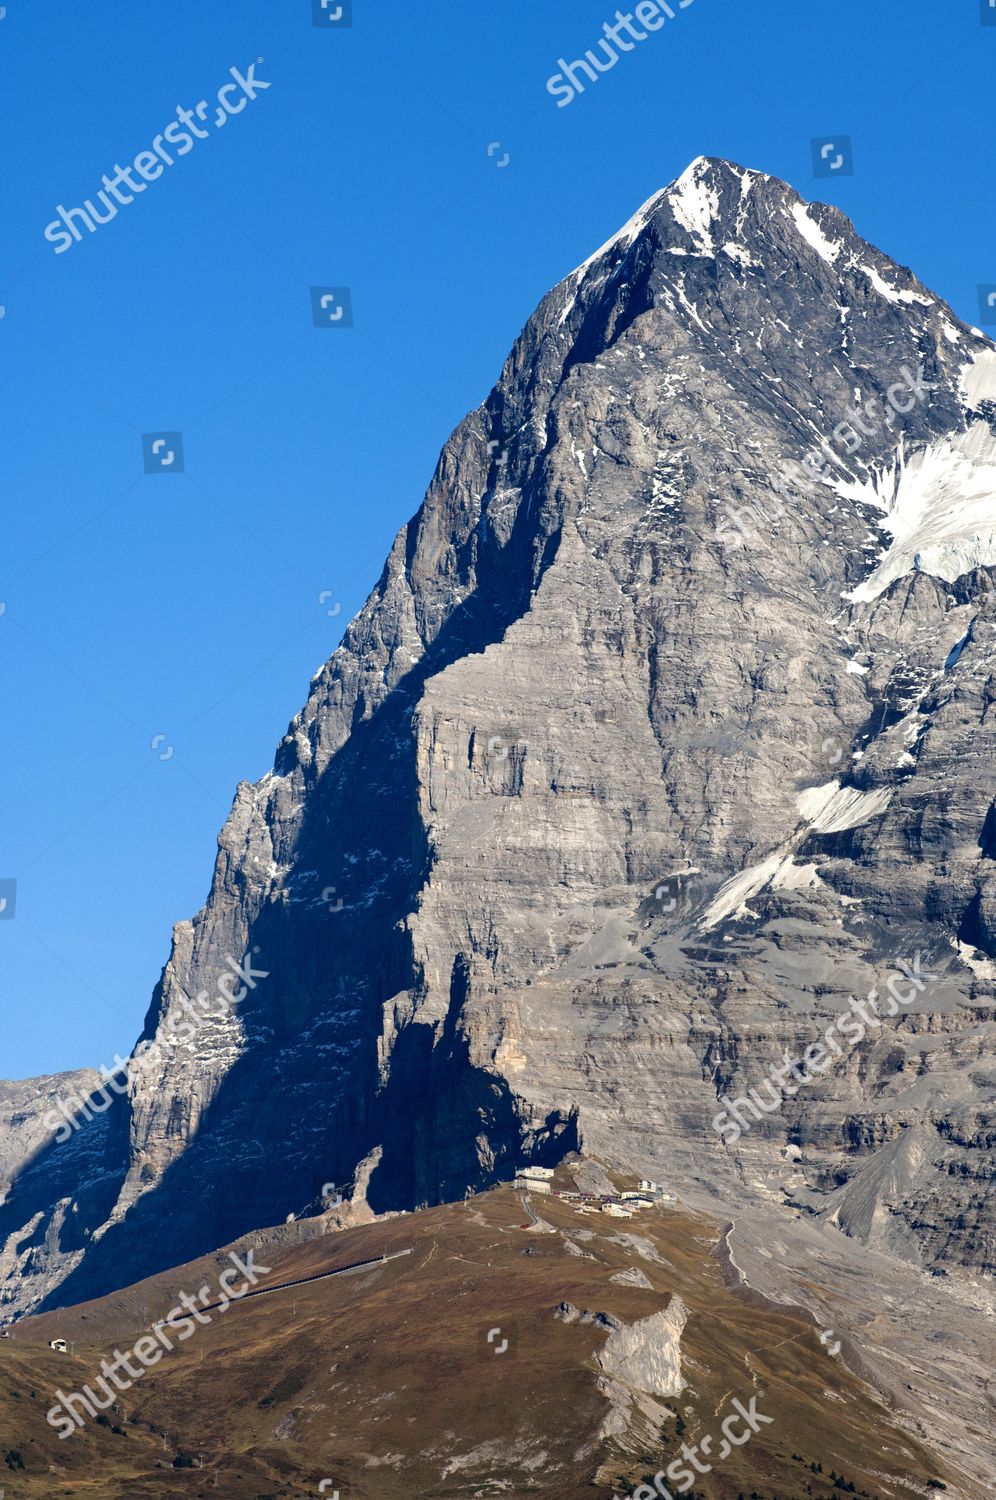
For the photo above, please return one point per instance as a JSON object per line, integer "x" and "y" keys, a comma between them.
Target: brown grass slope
{"x": 383, "y": 1381}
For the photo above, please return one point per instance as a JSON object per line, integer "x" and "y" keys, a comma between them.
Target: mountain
{"x": 24, "y": 1108}
{"x": 667, "y": 728}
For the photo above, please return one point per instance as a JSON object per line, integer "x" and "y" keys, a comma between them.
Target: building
{"x": 616, "y": 1211}
{"x": 654, "y": 1191}
{"x": 538, "y": 1174}
{"x": 59, "y": 1345}
{"x": 533, "y": 1184}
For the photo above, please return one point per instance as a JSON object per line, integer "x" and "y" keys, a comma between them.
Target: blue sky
{"x": 188, "y": 605}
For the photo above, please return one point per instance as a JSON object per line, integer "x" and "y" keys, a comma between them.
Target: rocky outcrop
{"x": 646, "y": 1356}
{"x": 26, "y": 1108}
{"x": 667, "y": 727}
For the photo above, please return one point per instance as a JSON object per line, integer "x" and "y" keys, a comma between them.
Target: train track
{"x": 283, "y": 1286}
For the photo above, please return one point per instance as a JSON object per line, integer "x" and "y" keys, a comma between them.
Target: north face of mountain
{"x": 667, "y": 727}
{"x": 25, "y": 1107}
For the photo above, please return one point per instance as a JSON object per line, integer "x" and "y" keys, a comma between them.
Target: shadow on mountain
{"x": 305, "y": 1102}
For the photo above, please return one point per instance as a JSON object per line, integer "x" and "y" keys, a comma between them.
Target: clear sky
{"x": 416, "y": 158}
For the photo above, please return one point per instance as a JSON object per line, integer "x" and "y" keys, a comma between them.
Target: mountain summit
{"x": 666, "y": 731}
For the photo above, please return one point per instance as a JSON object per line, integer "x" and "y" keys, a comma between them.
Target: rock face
{"x": 24, "y": 1108}
{"x": 641, "y": 1361}
{"x": 668, "y": 726}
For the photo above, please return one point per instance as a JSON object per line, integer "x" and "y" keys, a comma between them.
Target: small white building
{"x": 538, "y": 1174}
{"x": 59, "y": 1345}
{"x": 654, "y": 1191}
{"x": 616, "y": 1211}
{"x": 533, "y": 1184}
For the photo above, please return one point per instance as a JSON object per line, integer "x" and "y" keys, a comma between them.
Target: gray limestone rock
{"x": 668, "y": 728}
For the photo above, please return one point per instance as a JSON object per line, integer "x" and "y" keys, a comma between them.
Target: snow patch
{"x": 824, "y": 809}
{"x": 833, "y": 809}
{"x": 939, "y": 508}
{"x": 695, "y": 204}
{"x": 983, "y": 968}
{"x": 739, "y": 254}
{"x": 813, "y": 234}
{"x": 978, "y": 379}
{"x": 792, "y": 877}
{"x": 893, "y": 293}
{"x": 732, "y": 897}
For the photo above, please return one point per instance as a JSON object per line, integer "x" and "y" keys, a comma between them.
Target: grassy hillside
{"x": 383, "y": 1381}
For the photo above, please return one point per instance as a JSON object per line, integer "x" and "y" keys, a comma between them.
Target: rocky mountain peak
{"x": 667, "y": 725}
{"x": 717, "y": 207}
{"x": 706, "y": 205}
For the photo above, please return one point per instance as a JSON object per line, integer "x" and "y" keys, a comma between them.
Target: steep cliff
{"x": 667, "y": 727}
